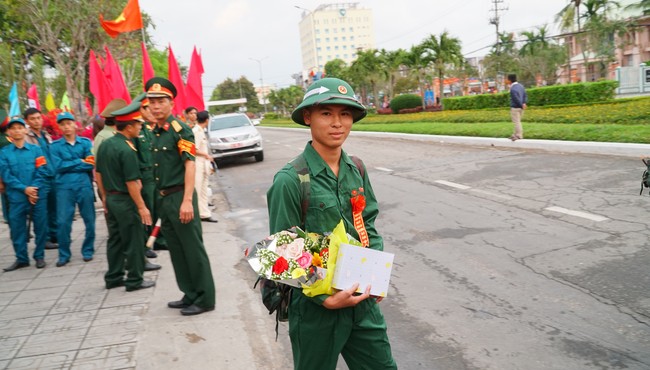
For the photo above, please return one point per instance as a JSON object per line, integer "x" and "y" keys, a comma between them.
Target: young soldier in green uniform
{"x": 173, "y": 158}
{"x": 344, "y": 323}
{"x": 118, "y": 178}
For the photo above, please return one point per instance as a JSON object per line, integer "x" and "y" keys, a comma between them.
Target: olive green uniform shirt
{"x": 168, "y": 159}
{"x": 143, "y": 144}
{"x": 117, "y": 162}
{"x": 106, "y": 133}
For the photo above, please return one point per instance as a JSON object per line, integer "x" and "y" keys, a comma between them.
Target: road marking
{"x": 570, "y": 212}
{"x": 453, "y": 184}
{"x": 507, "y": 197}
{"x": 383, "y": 169}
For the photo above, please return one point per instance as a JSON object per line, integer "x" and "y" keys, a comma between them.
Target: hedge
{"x": 586, "y": 92}
{"x": 405, "y": 101}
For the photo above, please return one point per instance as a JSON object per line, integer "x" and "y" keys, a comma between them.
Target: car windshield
{"x": 220, "y": 123}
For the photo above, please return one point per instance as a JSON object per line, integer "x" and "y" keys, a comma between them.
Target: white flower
{"x": 293, "y": 250}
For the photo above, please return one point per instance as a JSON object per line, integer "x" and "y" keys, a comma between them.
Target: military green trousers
{"x": 187, "y": 252}
{"x": 125, "y": 238}
{"x": 149, "y": 196}
{"x": 319, "y": 334}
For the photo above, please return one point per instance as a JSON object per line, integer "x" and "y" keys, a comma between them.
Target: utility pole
{"x": 495, "y": 19}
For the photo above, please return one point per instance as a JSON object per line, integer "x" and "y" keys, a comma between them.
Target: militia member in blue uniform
{"x": 73, "y": 163}
{"x": 118, "y": 178}
{"x": 173, "y": 158}
{"x": 37, "y": 136}
{"x": 24, "y": 172}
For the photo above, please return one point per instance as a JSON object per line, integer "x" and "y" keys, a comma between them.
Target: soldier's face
{"x": 160, "y": 108}
{"x": 330, "y": 124}
{"x": 16, "y": 131}
{"x": 68, "y": 127}
{"x": 35, "y": 121}
{"x": 146, "y": 114}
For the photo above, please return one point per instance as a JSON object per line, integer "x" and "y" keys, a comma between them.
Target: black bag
{"x": 276, "y": 298}
{"x": 645, "y": 178}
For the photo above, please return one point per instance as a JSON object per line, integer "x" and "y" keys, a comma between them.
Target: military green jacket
{"x": 172, "y": 145}
{"x": 117, "y": 162}
{"x": 143, "y": 144}
{"x": 329, "y": 200}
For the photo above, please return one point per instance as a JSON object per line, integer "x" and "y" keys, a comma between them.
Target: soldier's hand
{"x": 31, "y": 192}
{"x": 346, "y": 298}
{"x": 32, "y": 200}
{"x": 145, "y": 215}
{"x": 186, "y": 212}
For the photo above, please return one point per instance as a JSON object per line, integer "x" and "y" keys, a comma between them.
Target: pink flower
{"x": 292, "y": 250}
{"x": 304, "y": 260}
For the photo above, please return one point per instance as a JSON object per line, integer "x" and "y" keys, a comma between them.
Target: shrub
{"x": 272, "y": 116}
{"x": 405, "y": 101}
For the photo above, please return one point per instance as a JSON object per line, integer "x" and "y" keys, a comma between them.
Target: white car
{"x": 234, "y": 135}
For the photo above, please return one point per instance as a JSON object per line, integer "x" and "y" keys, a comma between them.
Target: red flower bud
{"x": 281, "y": 265}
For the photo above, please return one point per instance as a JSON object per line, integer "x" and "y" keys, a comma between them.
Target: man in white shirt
{"x": 204, "y": 164}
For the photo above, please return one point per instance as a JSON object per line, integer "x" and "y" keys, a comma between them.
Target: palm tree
{"x": 569, "y": 15}
{"x": 415, "y": 59}
{"x": 367, "y": 69}
{"x": 534, "y": 42}
{"x": 443, "y": 51}
{"x": 391, "y": 61}
{"x": 643, "y": 6}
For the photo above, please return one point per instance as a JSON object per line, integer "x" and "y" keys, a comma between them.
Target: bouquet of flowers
{"x": 298, "y": 258}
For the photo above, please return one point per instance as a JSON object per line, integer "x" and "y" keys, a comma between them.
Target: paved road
{"x": 489, "y": 275}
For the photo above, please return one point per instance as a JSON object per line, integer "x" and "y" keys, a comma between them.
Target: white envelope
{"x": 364, "y": 266}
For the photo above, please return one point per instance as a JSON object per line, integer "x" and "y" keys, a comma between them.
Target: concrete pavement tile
{"x": 13, "y": 285}
{"x": 59, "y": 323}
{"x": 51, "y": 270}
{"x": 10, "y": 346}
{"x": 120, "y": 297}
{"x": 105, "y": 335}
{"x": 90, "y": 276}
{"x": 37, "y": 295}
{"x": 120, "y": 315}
{"x": 8, "y": 296}
{"x": 60, "y": 360}
{"x": 51, "y": 281}
{"x": 91, "y": 288}
{"x": 79, "y": 303}
{"x": 38, "y": 344}
{"x": 25, "y": 310}
{"x": 24, "y": 273}
{"x": 4, "y": 364}
{"x": 18, "y": 327}
{"x": 120, "y": 356}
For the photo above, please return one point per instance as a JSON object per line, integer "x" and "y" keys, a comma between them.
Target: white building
{"x": 334, "y": 31}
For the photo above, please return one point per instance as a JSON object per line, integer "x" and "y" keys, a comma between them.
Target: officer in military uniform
{"x": 173, "y": 158}
{"x": 24, "y": 171}
{"x": 118, "y": 178}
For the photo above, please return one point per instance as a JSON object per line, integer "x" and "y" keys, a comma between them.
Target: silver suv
{"x": 233, "y": 135}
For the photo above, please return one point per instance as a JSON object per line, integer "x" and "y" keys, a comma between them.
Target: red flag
{"x": 129, "y": 20}
{"x": 32, "y": 97}
{"x": 147, "y": 69}
{"x": 174, "y": 75}
{"x": 99, "y": 86}
{"x": 89, "y": 109}
{"x": 113, "y": 74}
{"x": 194, "y": 88}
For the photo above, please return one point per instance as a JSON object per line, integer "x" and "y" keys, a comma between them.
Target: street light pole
{"x": 259, "y": 61}
{"x": 313, "y": 32}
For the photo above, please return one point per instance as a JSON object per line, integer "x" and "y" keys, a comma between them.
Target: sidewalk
{"x": 64, "y": 318}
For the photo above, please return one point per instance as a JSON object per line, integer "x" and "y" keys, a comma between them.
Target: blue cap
{"x": 16, "y": 119}
{"x": 64, "y": 115}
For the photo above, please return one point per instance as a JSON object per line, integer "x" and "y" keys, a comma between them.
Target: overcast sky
{"x": 230, "y": 32}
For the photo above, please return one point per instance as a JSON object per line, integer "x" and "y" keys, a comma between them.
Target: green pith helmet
{"x": 329, "y": 91}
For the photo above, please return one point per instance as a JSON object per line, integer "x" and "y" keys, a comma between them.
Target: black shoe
{"x": 61, "y": 263}
{"x": 209, "y": 219}
{"x": 150, "y": 253}
{"x": 88, "y": 259}
{"x": 40, "y": 263}
{"x": 178, "y": 304}
{"x": 148, "y": 266}
{"x": 50, "y": 245}
{"x": 17, "y": 265}
{"x": 145, "y": 284}
{"x": 114, "y": 285}
{"x": 195, "y": 310}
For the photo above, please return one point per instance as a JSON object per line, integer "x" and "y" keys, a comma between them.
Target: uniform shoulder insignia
{"x": 131, "y": 145}
{"x": 177, "y": 126}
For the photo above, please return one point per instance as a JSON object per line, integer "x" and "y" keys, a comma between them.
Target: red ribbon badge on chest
{"x": 358, "y": 201}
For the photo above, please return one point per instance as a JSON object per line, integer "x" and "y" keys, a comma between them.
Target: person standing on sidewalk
{"x": 203, "y": 165}
{"x": 73, "y": 163}
{"x": 174, "y": 172}
{"x": 322, "y": 327}
{"x": 4, "y": 141}
{"x": 23, "y": 168}
{"x": 118, "y": 178}
{"x": 37, "y": 136}
{"x": 518, "y": 99}
{"x": 191, "y": 116}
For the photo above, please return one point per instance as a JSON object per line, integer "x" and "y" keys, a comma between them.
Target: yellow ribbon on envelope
{"x": 324, "y": 286}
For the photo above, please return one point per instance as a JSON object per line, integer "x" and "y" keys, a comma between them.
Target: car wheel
{"x": 259, "y": 156}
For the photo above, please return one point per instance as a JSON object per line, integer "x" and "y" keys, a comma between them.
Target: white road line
{"x": 502, "y": 196}
{"x": 453, "y": 184}
{"x": 570, "y": 212}
{"x": 383, "y": 169}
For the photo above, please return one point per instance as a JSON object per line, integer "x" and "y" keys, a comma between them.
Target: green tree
{"x": 441, "y": 52}
{"x": 367, "y": 72}
{"x": 391, "y": 61}
{"x": 285, "y": 100}
{"x": 416, "y": 61}
{"x": 336, "y": 68}
{"x": 643, "y": 6}
{"x": 231, "y": 89}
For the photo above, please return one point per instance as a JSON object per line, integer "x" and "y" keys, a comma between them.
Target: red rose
{"x": 281, "y": 265}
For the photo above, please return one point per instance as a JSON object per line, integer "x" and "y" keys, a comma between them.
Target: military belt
{"x": 171, "y": 190}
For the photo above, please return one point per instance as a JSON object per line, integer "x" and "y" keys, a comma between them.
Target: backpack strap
{"x": 359, "y": 163}
{"x": 300, "y": 165}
